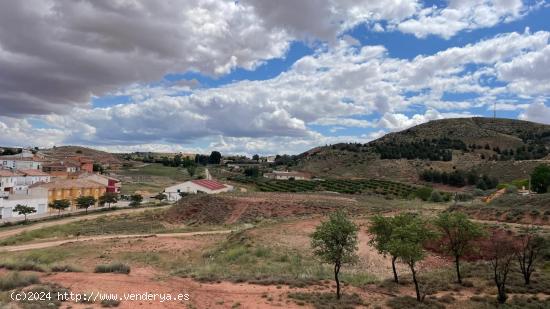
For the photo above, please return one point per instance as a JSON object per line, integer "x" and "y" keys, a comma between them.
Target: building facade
{"x": 71, "y": 189}
{"x": 174, "y": 192}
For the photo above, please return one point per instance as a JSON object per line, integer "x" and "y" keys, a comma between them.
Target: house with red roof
{"x": 207, "y": 186}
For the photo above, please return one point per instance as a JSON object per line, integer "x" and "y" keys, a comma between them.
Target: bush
{"x": 113, "y": 268}
{"x": 22, "y": 265}
{"x": 406, "y": 302}
{"x": 65, "y": 269}
{"x": 424, "y": 193}
{"x": 110, "y": 303}
{"x": 436, "y": 197}
{"x": 327, "y": 300}
{"x": 15, "y": 280}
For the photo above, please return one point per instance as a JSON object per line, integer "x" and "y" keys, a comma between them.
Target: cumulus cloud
{"x": 57, "y": 54}
{"x": 537, "y": 112}
{"x": 462, "y": 15}
{"x": 333, "y": 87}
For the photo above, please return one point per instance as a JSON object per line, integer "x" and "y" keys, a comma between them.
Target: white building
{"x": 36, "y": 198}
{"x": 21, "y": 163}
{"x": 194, "y": 186}
{"x": 14, "y": 181}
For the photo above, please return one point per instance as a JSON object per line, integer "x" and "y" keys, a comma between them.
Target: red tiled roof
{"x": 34, "y": 172}
{"x": 9, "y": 173}
{"x": 209, "y": 184}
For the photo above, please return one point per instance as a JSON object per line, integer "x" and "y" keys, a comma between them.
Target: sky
{"x": 259, "y": 76}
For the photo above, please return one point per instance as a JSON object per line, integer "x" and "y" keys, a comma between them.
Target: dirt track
{"x": 17, "y": 230}
{"x": 48, "y": 244}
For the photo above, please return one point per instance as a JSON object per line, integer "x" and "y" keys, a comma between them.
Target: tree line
{"x": 529, "y": 152}
{"x": 404, "y": 236}
{"x": 459, "y": 178}
{"x": 434, "y": 150}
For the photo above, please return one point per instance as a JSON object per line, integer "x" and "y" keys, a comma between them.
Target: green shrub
{"x": 113, "y": 268}
{"x": 65, "y": 268}
{"x": 436, "y": 197}
{"x": 22, "y": 265}
{"x": 16, "y": 279}
{"x": 424, "y": 193}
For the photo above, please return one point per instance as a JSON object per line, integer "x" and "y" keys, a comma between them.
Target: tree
{"x": 60, "y": 205}
{"x": 540, "y": 178}
{"x": 24, "y": 210}
{"x": 177, "y": 160}
{"x": 528, "y": 253}
{"x": 161, "y": 196}
{"x": 335, "y": 242}
{"x": 215, "y": 157}
{"x": 256, "y": 157}
{"x": 501, "y": 254}
{"x": 459, "y": 233}
{"x": 253, "y": 172}
{"x": 108, "y": 198}
{"x": 97, "y": 167}
{"x": 135, "y": 200}
{"x": 85, "y": 202}
{"x": 408, "y": 237}
{"x": 381, "y": 229}
{"x": 191, "y": 170}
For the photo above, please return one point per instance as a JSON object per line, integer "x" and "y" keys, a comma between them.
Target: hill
{"x": 102, "y": 157}
{"x": 504, "y": 148}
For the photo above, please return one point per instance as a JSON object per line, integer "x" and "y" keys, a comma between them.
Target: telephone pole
{"x": 495, "y": 111}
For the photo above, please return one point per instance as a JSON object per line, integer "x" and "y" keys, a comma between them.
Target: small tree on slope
{"x": 335, "y": 242}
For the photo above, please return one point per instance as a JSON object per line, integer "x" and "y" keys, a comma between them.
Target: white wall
{"x": 173, "y": 192}
{"x": 7, "y": 205}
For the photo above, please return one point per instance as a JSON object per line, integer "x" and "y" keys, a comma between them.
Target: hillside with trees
{"x": 505, "y": 149}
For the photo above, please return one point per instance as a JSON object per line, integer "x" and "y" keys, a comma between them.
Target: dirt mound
{"x": 220, "y": 209}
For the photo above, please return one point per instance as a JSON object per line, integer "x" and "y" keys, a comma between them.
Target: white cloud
{"x": 331, "y": 88}
{"x": 462, "y": 15}
{"x": 537, "y": 112}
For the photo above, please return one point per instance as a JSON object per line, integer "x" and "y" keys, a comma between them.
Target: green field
{"x": 152, "y": 177}
{"x": 382, "y": 187}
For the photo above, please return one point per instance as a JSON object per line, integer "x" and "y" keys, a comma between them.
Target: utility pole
{"x": 495, "y": 111}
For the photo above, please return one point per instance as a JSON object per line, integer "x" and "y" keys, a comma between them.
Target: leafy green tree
{"x": 176, "y": 162}
{"x": 85, "y": 202}
{"x": 256, "y": 157}
{"x": 529, "y": 251}
{"x": 253, "y": 172}
{"x": 191, "y": 170}
{"x": 135, "y": 200}
{"x": 215, "y": 157}
{"x": 97, "y": 167}
{"x": 381, "y": 229}
{"x": 540, "y": 178}
{"x": 60, "y": 205}
{"x": 459, "y": 233}
{"x": 108, "y": 198}
{"x": 335, "y": 242}
{"x": 24, "y": 210}
{"x": 408, "y": 237}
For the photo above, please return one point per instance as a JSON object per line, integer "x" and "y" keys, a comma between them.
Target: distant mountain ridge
{"x": 506, "y": 148}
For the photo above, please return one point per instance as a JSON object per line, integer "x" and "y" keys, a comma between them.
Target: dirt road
{"x": 25, "y": 228}
{"x": 48, "y": 244}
